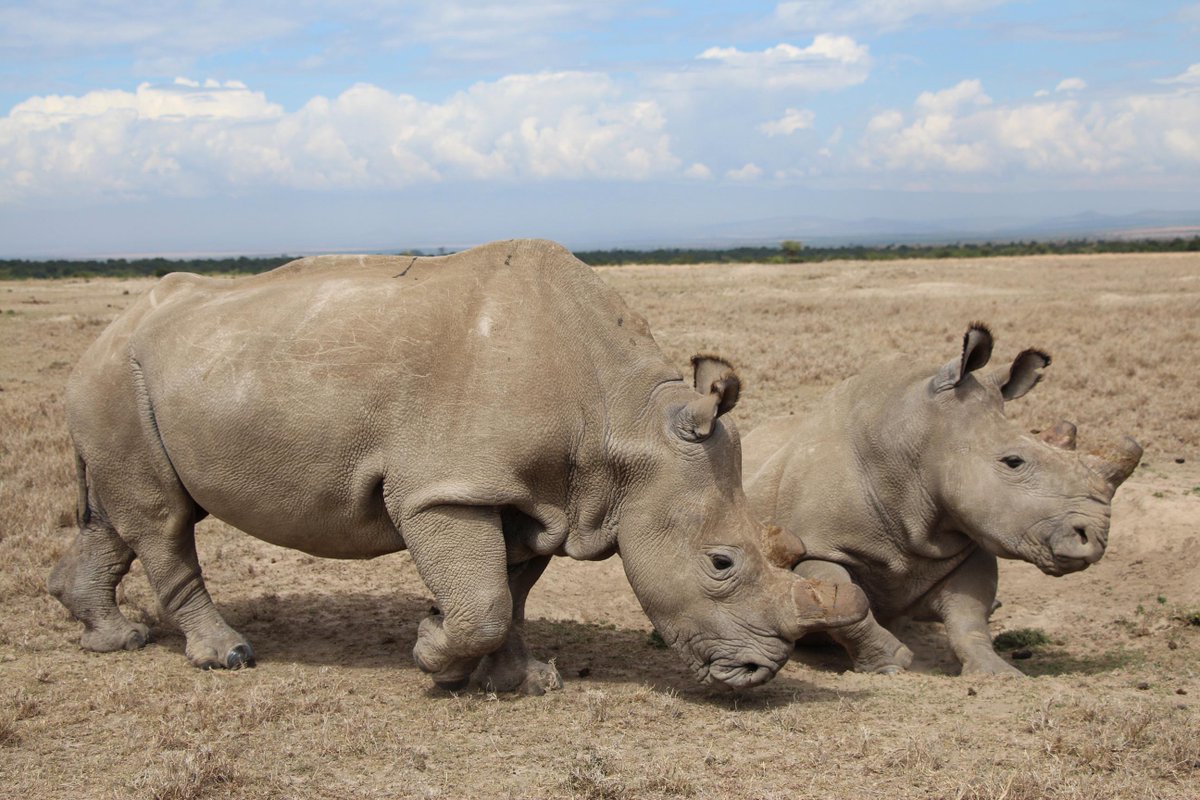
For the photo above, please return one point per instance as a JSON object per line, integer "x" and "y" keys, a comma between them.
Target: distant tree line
{"x": 788, "y": 252}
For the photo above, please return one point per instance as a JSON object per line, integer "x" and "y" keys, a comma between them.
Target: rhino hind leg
{"x": 512, "y": 668}
{"x": 872, "y": 647}
{"x": 85, "y": 580}
{"x": 459, "y": 552}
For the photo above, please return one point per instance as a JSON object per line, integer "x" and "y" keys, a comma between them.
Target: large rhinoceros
{"x": 485, "y": 410}
{"x": 909, "y": 481}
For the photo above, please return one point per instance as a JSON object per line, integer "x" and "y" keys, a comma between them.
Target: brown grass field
{"x": 337, "y": 709}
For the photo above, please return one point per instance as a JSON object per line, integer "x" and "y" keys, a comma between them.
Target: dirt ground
{"x": 336, "y": 707}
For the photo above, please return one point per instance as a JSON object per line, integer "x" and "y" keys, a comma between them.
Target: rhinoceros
{"x": 910, "y": 482}
{"x": 484, "y": 410}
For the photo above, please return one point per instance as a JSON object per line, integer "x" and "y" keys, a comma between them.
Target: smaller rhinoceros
{"x": 910, "y": 482}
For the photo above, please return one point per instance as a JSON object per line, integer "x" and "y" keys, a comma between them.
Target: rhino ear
{"x": 977, "y": 349}
{"x": 1025, "y": 372}
{"x": 719, "y": 387}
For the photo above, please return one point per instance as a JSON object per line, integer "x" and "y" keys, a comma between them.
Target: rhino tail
{"x": 83, "y": 514}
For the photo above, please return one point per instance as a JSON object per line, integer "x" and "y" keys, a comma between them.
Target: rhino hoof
{"x": 455, "y": 685}
{"x": 540, "y": 682}
{"x": 889, "y": 669}
{"x": 137, "y": 638}
{"x": 240, "y": 656}
{"x": 107, "y": 640}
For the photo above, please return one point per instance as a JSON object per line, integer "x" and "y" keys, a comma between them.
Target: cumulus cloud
{"x": 748, "y": 172}
{"x": 808, "y": 15}
{"x": 698, "y": 171}
{"x": 830, "y": 62}
{"x": 793, "y": 119}
{"x": 1071, "y": 85}
{"x": 961, "y": 131}
{"x": 195, "y": 138}
{"x": 1191, "y": 75}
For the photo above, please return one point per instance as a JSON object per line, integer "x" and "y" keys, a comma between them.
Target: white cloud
{"x": 698, "y": 171}
{"x": 1071, "y": 85}
{"x": 969, "y": 92}
{"x": 80, "y": 26}
{"x": 793, "y": 119}
{"x": 830, "y": 62}
{"x": 808, "y": 15}
{"x": 1042, "y": 93}
{"x": 748, "y": 172}
{"x": 192, "y": 138}
{"x": 960, "y": 131}
{"x": 1191, "y": 75}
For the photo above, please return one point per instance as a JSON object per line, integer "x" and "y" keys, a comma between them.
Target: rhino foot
{"x": 130, "y": 636}
{"x": 430, "y": 653}
{"x": 887, "y": 663}
{"x": 532, "y": 678}
{"x": 452, "y": 684}
{"x": 236, "y": 656}
{"x": 511, "y": 668}
{"x": 992, "y": 666}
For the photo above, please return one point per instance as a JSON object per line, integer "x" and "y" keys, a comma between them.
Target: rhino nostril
{"x": 1082, "y": 534}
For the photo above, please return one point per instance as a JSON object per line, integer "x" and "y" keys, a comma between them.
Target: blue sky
{"x": 223, "y": 126}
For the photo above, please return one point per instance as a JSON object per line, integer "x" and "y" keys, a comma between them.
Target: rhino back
{"x": 289, "y": 403}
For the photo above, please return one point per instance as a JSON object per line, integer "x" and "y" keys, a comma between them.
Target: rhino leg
{"x": 459, "y": 553}
{"x": 511, "y": 668}
{"x": 85, "y": 581}
{"x": 872, "y": 647}
{"x": 152, "y": 513}
{"x": 964, "y": 601}
{"x": 167, "y": 550}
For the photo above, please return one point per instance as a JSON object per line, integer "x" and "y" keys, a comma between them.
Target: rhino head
{"x": 1017, "y": 495}
{"x": 716, "y": 583}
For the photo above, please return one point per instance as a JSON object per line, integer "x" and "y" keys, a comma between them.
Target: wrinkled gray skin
{"x": 910, "y": 482}
{"x": 485, "y": 410}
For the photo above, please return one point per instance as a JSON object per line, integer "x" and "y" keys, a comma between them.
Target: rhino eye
{"x": 1012, "y": 462}
{"x": 721, "y": 561}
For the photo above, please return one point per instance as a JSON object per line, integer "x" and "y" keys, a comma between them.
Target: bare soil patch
{"x": 337, "y": 709}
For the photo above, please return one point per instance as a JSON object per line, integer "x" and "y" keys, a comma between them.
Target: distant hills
{"x": 831, "y": 232}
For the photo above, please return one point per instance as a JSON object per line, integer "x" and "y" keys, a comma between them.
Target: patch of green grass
{"x": 1058, "y": 662}
{"x": 1189, "y": 615}
{"x": 1021, "y": 638}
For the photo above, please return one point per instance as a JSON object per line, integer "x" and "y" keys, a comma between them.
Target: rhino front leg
{"x": 511, "y": 668}
{"x": 872, "y": 647}
{"x": 964, "y": 601}
{"x": 167, "y": 549}
{"x": 459, "y": 553}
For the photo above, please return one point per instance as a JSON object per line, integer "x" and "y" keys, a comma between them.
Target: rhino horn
{"x": 1116, "y": 463}
{"x": 1061, "y": 435}
{"x": 719, "y": 386}
{"x": 781, "y": 547}
{"x": 821, "y": 605}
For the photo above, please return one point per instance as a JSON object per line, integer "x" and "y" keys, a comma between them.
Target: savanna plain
{"x": 336, "y": 708}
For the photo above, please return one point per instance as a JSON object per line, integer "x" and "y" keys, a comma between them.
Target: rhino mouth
{"x": 739, "y": 675}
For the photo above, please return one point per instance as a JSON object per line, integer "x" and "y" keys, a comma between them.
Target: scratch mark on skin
{"x": 406, "y": 269}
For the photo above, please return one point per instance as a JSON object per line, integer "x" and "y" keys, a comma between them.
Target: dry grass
{"x": 337, "y": 709}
